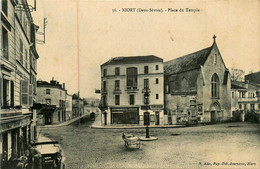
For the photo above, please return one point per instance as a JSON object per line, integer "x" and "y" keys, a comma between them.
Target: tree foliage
{"x": 237, "y": 74}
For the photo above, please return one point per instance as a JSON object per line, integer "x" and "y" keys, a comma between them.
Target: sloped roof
{"x": 133, "y": 59}
{"x": 187, "y": 62}
{"x": 243, "y": 85}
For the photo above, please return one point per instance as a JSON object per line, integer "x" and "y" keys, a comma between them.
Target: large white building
{"x": 124, "y": 82}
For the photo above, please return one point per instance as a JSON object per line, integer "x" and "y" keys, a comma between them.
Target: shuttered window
{"x": 24, "y": 92}
{"x": 30, "y": 97}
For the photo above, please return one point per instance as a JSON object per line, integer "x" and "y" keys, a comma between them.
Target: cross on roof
{"x": 214, "y": 37}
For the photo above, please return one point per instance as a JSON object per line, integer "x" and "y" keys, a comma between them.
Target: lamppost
{"x": 147, "y": 114}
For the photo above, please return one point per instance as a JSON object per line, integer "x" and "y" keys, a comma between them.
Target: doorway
{"x": 157, "y": 118}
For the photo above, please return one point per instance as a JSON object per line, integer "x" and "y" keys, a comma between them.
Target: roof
{"x": 133, "y": 59}
{"x": 187, "y": 62}
{"x": 244, "y": 85}
{"x": 253, "y": 77}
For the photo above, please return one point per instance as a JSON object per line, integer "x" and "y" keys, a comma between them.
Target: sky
{"x": 103, "y": 34}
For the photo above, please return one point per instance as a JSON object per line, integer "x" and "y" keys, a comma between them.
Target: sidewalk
{"x": 97, "y": 125}
{"x": 64, "y": 123}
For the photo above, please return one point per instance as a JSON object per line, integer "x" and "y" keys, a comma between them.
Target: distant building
{"x": 245, "y": 99}
{"x": 52, "y": 97}
{"x": 253, "y": 78}
{"x": 18, "y": 60}
{"x": 77, "y": 106}
{"x": 69, "y": 106}
{"x": 197, "y": 87}
{"x": 124, "y": 82}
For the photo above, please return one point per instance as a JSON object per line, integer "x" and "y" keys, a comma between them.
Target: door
{"x": 157, "y": 118}
{"x": 48, "y": 116}
{"x": 212, "y": 117}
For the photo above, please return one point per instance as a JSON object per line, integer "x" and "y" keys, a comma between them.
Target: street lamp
{"x": 147, "y": 114}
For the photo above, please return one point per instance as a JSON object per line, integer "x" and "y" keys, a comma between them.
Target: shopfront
{"x": 124, "y": 115}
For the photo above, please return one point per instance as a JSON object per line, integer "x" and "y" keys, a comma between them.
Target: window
{"x": 26, "y": 93}
{"x": 132, "y": 99}
{"x": 157, "y": 96}
{"x": 104, "y": 100}
{"x": 104, "y": 85}
{"x": 5, "y": 42}
{"x": 157, "y": 81}
{"x": 233, "y": 95}
{"x": 58, "y": 115}
{"x": 117, "y": 84}
{"x": 146, "y": 99}
{"x": 104, "y": 72}
{"x": 156, "y": 67}
{"x": 146, "y": 69}
{"x": 8, "y": 93}
{"x": 117, "y": 71}
{"x": 252, "y": 106}
{"x": 245, "y": 107}
{"x": 26, "y": 59}
{"x": 48, "y": 91}
{"x": 215, "y": 86}
{"x": 240, "y": 106}
{"x": 243, "y": 94}
{"x": 146, "y": 83}
{"x": 21, "y": 51}
{"x": 48, "y": 101}
{"x": 131, "y": 78}
{"x": 117, "y": 99}
{"x": 5, "y": 7}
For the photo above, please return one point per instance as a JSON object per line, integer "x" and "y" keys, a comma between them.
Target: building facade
{"x": 197, "y": 87}
{"x": 17, "y": 79}
{"x": 245, "y": 100}
{"x": 77, "y": 106}
{"x": 124, "y": 83}
{"x": 52, "y": 97}
{"x": 68, "y": 106}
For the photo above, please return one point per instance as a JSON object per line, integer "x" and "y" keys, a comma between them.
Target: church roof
{"x": 133, "y": 59}
{"x": 187, "y": 62}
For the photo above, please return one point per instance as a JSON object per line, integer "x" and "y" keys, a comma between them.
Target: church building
{"x": 197, "y": 87}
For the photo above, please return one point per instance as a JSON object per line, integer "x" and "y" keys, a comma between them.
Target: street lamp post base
{"x": 148, "y": 139}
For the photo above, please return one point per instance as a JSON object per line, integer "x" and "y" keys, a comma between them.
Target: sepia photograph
{"x": 115, "y": 84}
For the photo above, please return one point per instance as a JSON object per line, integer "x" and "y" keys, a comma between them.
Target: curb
{"x": 136, "y": 127}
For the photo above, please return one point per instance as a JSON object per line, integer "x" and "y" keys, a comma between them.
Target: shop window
{"x": 215, "y": 86}
{"x": 5, "y": 42}
{"x": 117, "y": 71}
{"x": 132, "y": 99}
{"x": 131, "y": 78}
{"x": 117, "y": 99}
{"x": 146, "y": 69}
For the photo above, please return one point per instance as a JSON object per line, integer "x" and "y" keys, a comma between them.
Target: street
{"x": 228, "y": 145}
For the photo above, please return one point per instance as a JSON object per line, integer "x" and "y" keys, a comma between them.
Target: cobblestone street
{"x": 229, "y": 145}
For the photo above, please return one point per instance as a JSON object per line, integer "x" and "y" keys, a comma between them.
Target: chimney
{"x": 63, "y": 85}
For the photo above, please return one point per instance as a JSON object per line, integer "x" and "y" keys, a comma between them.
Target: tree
{"x": 237, "y": 74}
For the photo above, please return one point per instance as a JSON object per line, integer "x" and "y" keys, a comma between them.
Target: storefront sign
{"x": 156, "y": 107}
{"x": 14, "y": 124}
{"x": 122, "y": 109}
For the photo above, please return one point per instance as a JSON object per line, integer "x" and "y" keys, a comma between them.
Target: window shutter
{"x": 24, "y": 92}
{"x": 30, "y": 94}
